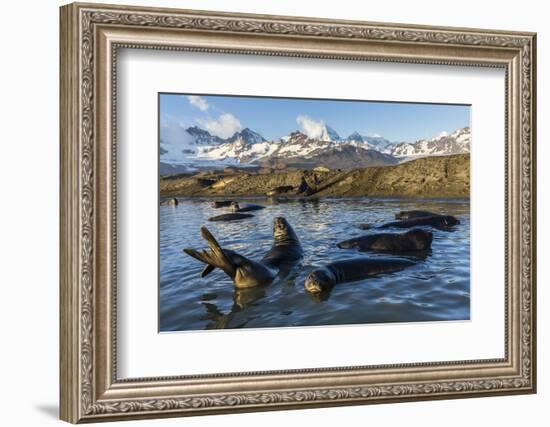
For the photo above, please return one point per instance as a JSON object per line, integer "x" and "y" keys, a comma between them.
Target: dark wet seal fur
{"x": 286, "y": 250}
{"x": 247, "y": 207}
{"x": 413, "y": 240}
{"x": 285, "y": 253}
{"x": 439, "y": 221}
{"x": 244, "y": 272}
{"x": 221, "y": 203}
{"x": 414, "y": 214}
{"x": 172, "y": 201}
{"x": 230, "y": 217}
{"x": 323, "y": 279}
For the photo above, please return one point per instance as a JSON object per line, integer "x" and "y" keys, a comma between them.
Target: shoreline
{"x": 441, "y": 177}
{"x": 294, "y": 198}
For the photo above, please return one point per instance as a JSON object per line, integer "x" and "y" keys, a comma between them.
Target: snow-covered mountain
{"x": 298, "y": 148}
{"x": 372, "y": 142}
{"x": 200, "y": 149}
{"x": 379, "y": 143}
{"x": 203, "y": 137}
{"x": 443, "y": 144}
{"x": 329, "y": 134}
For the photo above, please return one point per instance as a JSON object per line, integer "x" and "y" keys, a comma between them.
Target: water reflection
{"x": 242, "y": 298}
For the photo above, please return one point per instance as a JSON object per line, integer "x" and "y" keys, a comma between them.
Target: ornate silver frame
{"x": 90, "y": 36}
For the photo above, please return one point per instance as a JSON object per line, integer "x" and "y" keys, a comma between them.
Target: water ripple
{"x": 436, "y": 288}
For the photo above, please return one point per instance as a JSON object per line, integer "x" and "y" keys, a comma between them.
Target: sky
{"x": 276, "y": 117}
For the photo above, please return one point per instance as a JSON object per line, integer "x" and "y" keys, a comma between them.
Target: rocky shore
{"x": 437, "y": 176}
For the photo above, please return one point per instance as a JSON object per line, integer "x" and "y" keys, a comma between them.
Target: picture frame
{"x": 91, "y": 36}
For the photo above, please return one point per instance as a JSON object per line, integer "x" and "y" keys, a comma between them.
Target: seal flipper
{"x": 208, "y": 268}
{"x": 244, "y": 272}
{"x": 212, "y": 260}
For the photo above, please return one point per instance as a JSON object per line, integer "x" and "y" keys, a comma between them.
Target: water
{"x": 437, "y": 288}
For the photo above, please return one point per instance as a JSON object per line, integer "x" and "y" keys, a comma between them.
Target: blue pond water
{"x": 437, "y": 288}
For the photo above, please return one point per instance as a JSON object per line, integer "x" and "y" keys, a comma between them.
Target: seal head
{"x": 283, "y": 231}
{"x": 320, "y": 281}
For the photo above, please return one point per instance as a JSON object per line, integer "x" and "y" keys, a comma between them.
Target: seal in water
{"x": 414, "y": 214}
{"x": 230, "y": 217}
{"x": 172, "y": 201}
{"x": 221, "y": 203}
{"x": 248, "y": 207}
{"x": 439, "y": 221}
{"x": 413, "y": 240}
{"x": 244, "y": 272}
{"x": 323, "y": 279}
{"x": 285, "y": 252}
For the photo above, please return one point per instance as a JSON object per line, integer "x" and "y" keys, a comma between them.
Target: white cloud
{"x": 224, "y": 126}
{"x": 312, "y": 128}
{"x": 173, "y": 140}
{"x": 198, "y": 102}
{"x": 442, "y": 134}
{"x": 375, "y": 135}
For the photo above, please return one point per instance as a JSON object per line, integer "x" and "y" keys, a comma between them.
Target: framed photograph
{"x": 267, "y": 212}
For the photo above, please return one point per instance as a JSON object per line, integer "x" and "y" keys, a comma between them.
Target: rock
{"x": 280, "y": 190}
{"x": 321, "y": 169}
{"x": 223, "y": 182}
{"x": 436, "y": 176}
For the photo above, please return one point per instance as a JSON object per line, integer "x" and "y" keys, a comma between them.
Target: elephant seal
{"x": 216, "y": 204}
{"x": 286, "y": 250}
{"x": 414, "y": 214}
{"x": 323, "y": 279}
{"x": 172, "y": 201}
{"x": 439, "y": 221}
{"x": 413, "y": 240}
{"x": 248, "y": 207}
{"x": 230, "y": 217}
{"x": 244, "y": 272}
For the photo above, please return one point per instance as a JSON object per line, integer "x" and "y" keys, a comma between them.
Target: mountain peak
{"x": 202, "y": 136}
{"x": 355, "y": 136}
{"x": 444, "y": 143}
{"x": 197, "y": 130}
{"x": 330, "y": 134}
{"x": 248, "y": 136}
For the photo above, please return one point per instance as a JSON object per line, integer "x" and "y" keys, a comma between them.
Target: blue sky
{"x": 276, "y": 117}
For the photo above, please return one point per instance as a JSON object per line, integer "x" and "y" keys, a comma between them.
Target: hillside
{"x": 437, "y": 176}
